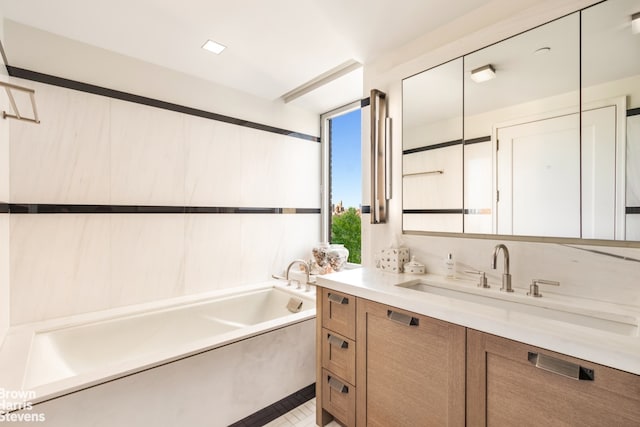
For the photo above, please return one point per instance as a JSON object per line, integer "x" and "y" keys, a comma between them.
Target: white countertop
{"x": 616, "y": 350}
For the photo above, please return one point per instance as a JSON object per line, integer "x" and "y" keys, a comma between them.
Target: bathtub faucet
{"x": 306, "y": 270}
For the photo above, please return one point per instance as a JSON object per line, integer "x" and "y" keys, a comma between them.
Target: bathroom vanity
{"x": 391, "y": 354}
{"x": 544, "y": 148}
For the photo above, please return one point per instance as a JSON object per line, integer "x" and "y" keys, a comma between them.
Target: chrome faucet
{"x": 306, "y": 270}
{"x": 506, "y": 277}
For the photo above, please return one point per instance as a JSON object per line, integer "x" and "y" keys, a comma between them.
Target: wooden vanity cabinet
{"x": 515, "y": 384}
{"x": 336, "y": 357}
{"x": 382, "y": 366}
{"x": 410, "y": 369}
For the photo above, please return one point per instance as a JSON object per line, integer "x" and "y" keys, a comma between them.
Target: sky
{"x": 346, "y": 160}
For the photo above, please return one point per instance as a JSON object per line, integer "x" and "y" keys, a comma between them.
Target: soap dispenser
{"x": 450, "y": 267}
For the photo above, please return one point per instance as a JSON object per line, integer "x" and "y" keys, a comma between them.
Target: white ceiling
{"x": 272, "y": 46}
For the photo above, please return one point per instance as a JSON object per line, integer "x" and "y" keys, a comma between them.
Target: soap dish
{"x": 414, "y": 267}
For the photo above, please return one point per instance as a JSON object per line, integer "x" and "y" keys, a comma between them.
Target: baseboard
{"x": 281, "y": 407}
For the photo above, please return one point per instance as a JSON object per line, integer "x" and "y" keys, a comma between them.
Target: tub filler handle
{"x": 294, "y": 305}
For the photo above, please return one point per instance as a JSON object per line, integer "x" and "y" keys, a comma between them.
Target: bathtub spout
{"x": 306, "y": 270}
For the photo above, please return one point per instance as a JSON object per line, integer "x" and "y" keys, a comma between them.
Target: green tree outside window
{"x": 345, "y": 229}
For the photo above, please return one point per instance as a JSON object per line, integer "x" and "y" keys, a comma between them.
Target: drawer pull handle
{"x": 405, "y": 319}
{"x": 338, "y": 386}
{"x": 561, "y": 367}
{"x": 338, "y": 299}
{"x": 337, "y": 342}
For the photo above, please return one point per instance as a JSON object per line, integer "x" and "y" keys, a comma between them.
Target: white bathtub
{"x": 232, "y": 354}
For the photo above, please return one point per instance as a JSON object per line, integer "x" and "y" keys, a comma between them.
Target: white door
{"x": 539, "y": 170}
{"x": 538, "y": 178}
{"x": 599, "y": 173}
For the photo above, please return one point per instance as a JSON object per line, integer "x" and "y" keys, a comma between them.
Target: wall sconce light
{"x": 380, "y": 157}
{"x": 484, "y": 73}
{"x": 635, "y": 23}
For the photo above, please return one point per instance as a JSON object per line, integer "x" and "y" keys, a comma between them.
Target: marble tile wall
{"x": 286, "y": 177}
{"x": 59, "y": 265}
{"x": 4, "y": 217}
{"x": 147, "y": 258}
{"x": 95, "y": 150}
{"x": 4, "y": 274}
{"x": 147, "y": 155}
{"x": 4, "y": 152}
{"x": 590, "y": 272}
{"x": 65, "y": 158}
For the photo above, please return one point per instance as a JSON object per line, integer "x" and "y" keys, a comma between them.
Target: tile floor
{"x": 302, "y": 416}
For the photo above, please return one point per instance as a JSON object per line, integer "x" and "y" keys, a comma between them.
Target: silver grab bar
{"x": 8, "y": 87}
{"x": 434, "y": 172}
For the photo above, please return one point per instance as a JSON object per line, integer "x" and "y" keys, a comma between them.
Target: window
{"x": 342, "y": 178}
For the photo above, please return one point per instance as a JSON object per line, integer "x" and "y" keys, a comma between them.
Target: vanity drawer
{"x": 339, "y": 398}
{"x": 339, "y": 355}
{"x": 339, "y": 313}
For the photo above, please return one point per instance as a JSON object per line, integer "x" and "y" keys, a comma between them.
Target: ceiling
{"x": 273, "y": 46}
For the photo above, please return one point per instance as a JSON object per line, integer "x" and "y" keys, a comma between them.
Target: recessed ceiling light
{"x": 484, "y": 73}
{"x": 635, "y": 23}
{"x": 214, "y": 47}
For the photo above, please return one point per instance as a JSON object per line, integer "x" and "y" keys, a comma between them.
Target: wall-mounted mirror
{"x": 533, "y": 162}
{"x": 527, "y": 112}
{"x": 432, "y": 149}
{"x": 611, "y": 116}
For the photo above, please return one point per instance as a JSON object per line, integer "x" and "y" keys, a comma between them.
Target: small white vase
{"x": 337, "y": 256}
